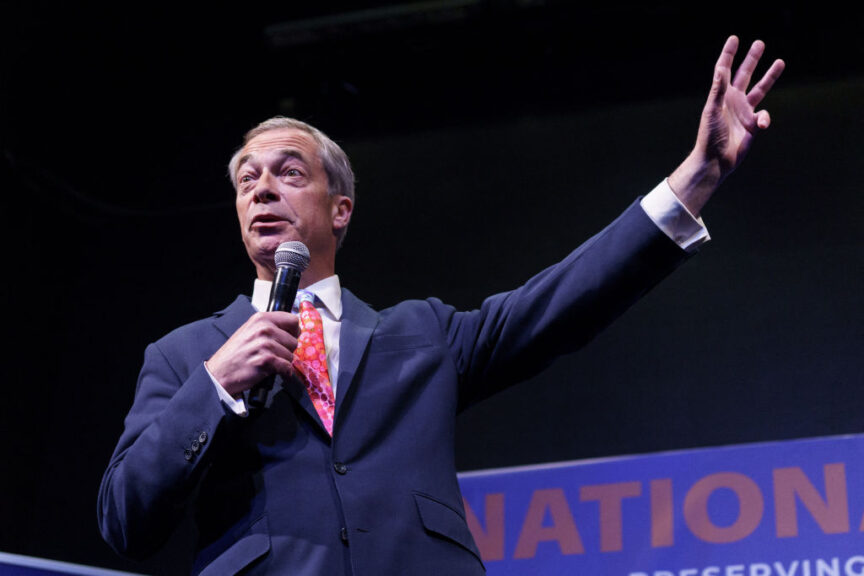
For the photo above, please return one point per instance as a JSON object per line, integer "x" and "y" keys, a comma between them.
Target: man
{"x": 370, "y": 488}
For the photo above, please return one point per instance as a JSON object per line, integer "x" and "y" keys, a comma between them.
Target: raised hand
{"x": 728, "y": 124}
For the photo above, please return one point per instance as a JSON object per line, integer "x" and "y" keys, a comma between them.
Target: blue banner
{"x": 17, "y": 565}
{"x": 793, "y": 508}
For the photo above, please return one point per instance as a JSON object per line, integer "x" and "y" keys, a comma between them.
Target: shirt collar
{"x": 328, "y": 291}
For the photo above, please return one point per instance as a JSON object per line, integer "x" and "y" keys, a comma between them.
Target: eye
{"x": 245, "y": 182}
{"x": 292, "y": 173}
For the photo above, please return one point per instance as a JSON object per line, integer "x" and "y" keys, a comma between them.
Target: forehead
{"x": 282, "y": 140}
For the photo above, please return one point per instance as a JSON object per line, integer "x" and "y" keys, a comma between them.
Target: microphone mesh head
{"x": 293, "y": 255}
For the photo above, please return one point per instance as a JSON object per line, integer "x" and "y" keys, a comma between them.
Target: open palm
{"x": 727, "y": 127}
{"x": 730, "y": 119}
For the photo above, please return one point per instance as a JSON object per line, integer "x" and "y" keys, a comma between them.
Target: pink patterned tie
{"x": 310, "y": 359}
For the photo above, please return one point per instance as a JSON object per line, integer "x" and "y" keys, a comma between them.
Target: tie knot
{"x": 304, "y": 296}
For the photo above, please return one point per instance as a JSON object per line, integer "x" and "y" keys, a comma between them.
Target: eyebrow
{"x": 285, "y": 153}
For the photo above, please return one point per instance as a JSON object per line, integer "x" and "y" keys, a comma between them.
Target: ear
{"x": 341, "y": 208}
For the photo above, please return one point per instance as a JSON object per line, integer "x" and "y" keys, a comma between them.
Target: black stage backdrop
{"x": 489, "y": 139}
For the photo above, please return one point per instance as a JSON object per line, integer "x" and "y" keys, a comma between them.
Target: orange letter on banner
{"x": 489, "y": 541}
{"x": 832, "y": 513}
{"x": 662, "y": 520}
{"x": 750, "y": 507}
{"x": 610, "y": 496}
{"x": 563, "y": 529}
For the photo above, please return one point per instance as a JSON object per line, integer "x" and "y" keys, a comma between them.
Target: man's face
{"x": 282, "y": 195}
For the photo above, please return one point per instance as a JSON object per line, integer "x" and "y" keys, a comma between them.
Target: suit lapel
{"x": 231, "y": 318}
{"x": 358, "y": 324}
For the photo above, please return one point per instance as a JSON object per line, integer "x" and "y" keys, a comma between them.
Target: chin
{"x": 271, "y": 241}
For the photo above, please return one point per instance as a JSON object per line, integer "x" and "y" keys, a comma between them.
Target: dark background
{"x": 489, "y": 138}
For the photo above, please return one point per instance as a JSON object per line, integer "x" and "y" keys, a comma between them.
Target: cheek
{"x": 241, "y": 220}
{"x": 242, "y": 208}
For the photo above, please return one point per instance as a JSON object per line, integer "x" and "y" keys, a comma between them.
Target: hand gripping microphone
{"x": 291, "y": 258}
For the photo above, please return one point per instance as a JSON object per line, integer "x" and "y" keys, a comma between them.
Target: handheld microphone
{"x": 291, "y": 259}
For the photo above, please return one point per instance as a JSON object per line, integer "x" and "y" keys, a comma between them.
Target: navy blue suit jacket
{"x": 274, "y": 494}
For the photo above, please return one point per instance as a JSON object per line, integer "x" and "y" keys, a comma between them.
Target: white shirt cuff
{"x": 236, "y": 406}
{"x": 673, "y": 218}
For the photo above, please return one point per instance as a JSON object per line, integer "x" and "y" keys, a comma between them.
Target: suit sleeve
{"x": 516, "y": 334}
{"x": 161, "y": 455}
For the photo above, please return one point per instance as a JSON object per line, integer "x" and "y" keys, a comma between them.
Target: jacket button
{"x": 340, "y": 468}
{"x": 202, "y": 438}
{"x": 343, "y": 534}
{"x": 196, "y": 446}
{"x": 187, "y": 454}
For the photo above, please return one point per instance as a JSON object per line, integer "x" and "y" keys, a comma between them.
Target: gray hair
{"x": 340, "y": 176}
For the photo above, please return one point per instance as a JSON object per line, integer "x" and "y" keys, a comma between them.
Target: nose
{"x": 265, "y": 190}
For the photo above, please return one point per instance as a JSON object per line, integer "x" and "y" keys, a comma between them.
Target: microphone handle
{"x": 284, "y": 289}
{"x": 282, "y": 295}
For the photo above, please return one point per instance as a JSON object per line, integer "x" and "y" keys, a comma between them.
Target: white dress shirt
{"x": 661, "y": 205}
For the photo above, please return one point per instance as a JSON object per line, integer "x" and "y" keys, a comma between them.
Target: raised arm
{"x": 728, "y": 125}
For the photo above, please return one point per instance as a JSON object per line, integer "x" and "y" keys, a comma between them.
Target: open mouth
{"x": 266, "y": 220}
